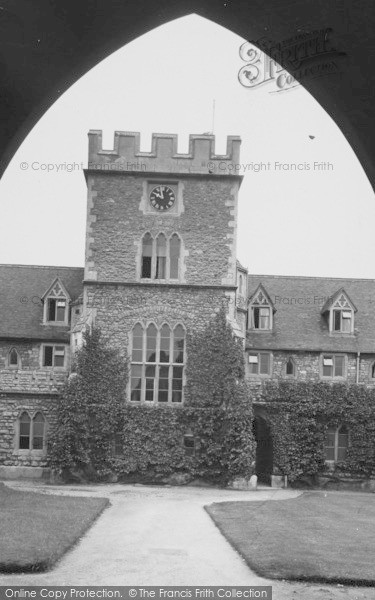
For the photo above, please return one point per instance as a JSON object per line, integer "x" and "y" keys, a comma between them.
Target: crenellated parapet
{"x": 163, "y": 157}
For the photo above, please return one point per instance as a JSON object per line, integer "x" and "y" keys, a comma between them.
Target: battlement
{"x": 126, "y": 154}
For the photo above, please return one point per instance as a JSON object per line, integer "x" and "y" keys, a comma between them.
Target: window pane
{"x": 177, "y": 384}
{"x": 137, "y": 343}
{"x": 51, "y": 310}
{"x": 327, "y": 371}
{"x": 337, "y": 320}
{"x": 48, "y": 356}
{"x": 146, "y": 267}
{"x": 290, "y": 367}
{"x": 147, "y": 245}
{"x": 59, "y": 356}
{"x": 163, "y": 384}
{"x": 174, "y": 254}
{"x": 264, "y": 318}
{"x": 151, "y": 343}
{"x": 161, "y": 257}
{"x": 178, "y": 345}
{"x": 341, "y": 453}
{"x": 136, "y": 383}
{"x": 264, "y": 367}
{"x": 38, "y": 424}
{"x": 165, "y": 340}
{"x": 146, "y": 256}
{"x": 60, "y": 310}
{"x": 330, "y": 453}
{"x": 13, "y": 358}
{"x": 37, "y": 442}
{"x": 189, "y": 445}
{"x": 346, "y": 322}
{"x": 339, "y": 366}
{"x": 24, "y": 437}
{"x": 256, "y": 317}
{"x": 150, "y": 384}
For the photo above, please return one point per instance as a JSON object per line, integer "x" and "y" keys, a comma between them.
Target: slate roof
{"x": 21, "y": 286}
{"x": 298, "y": 323}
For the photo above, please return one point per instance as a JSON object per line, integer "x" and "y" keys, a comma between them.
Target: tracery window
{"x": 157, "y": 368}
{"x": 56, "y": 305}
{"x": 31, "y": 431}
{"x": 161, "y": 257}
{"x": 341, "y": 314}
{"x": 260, "y": 312}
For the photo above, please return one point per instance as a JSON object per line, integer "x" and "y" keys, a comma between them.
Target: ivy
{"x": 90, "y": 410}
{"x": 217, "y": 413}
{"x": 300, "y": 414}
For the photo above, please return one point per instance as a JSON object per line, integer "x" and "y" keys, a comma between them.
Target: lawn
{"x": 37, "y": 529}
{"x": 319, "y": 536}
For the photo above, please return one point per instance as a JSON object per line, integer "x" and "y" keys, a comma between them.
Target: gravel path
{"x": 162, "y": 536}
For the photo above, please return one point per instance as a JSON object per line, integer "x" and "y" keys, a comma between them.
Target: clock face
{"x": 162, "y": 197}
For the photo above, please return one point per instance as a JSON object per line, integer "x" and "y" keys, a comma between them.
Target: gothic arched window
{"x": 157, "y": 364}
{"x": 160, "y": 257}
{"x": 13, "y": 358}
{"x": 31, "y": 431}
{"x": 290, "y": 367}
{"x": 147, "y": 244}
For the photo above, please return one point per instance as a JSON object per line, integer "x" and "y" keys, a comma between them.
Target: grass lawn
{"x": 37, "y": 529}
{"x": 319, "y": 536}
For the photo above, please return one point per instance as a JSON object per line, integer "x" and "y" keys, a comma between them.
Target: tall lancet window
{"x": 161, "y": 257}
{"x": 147, "y": 256}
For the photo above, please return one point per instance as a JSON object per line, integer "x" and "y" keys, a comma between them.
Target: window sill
{"x": 30, "y": 453}
{"x": 260, "y": 376}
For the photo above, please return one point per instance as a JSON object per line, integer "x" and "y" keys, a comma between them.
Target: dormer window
{"x": 56, "y": 309}
{"x": 261, "y": 317}
{"x": 339, "y": 311}
{"x": 56, "y": 305}
{"x": 260, "y": 311}
{"x": 342, "y": 320}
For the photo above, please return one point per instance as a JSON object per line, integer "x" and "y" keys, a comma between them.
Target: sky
{"x": 315, "y": 222}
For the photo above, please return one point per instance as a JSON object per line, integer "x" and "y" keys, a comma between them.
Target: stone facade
{"x": 119, "y": 290}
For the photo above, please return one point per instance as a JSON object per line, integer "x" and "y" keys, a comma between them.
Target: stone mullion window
{"x": 157, "y": 364}
{"x": 31, "y": 432}
{"x": 161, "y": 257}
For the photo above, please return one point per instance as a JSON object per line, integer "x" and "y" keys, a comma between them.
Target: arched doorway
{"x": 264, "y": 450}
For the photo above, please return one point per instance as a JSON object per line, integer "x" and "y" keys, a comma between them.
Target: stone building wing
{"x": 21, "y": 306}
{"x": 299, "y": 323}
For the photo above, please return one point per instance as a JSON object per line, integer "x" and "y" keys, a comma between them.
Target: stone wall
{"x": 119, "y": 307}
{"x": 308, "y": 367}
{"x": 119, "y": 215}
{"x": 11, "y": 406}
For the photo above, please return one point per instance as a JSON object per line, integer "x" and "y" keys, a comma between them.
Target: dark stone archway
{"x": 47, "y": 45}
{"x": 264, "y": 450}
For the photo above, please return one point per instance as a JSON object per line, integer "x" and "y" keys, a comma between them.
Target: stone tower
{"x": 160, "y": 250}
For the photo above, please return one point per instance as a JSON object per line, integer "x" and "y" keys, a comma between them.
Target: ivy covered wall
{"x": 300, "y": 414}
